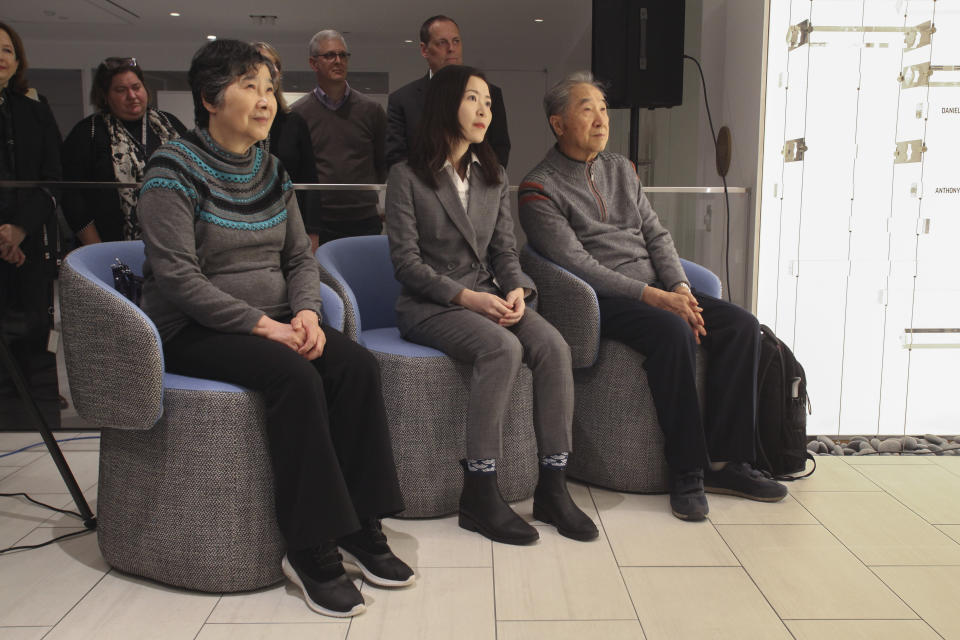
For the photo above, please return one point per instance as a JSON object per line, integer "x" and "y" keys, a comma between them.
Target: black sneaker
{"x": 687, "y": 500}
{"x": 368, "y": 549}
{"x": 740, "y": 479}
{"x": 326, "y": 588}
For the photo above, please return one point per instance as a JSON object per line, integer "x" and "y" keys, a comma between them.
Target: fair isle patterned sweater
{"x": 224, "y": 240}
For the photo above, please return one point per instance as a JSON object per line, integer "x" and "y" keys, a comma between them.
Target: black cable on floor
{"x": 41, "y": 443}
{"x": 726, "y": 193}
{"x": 27, "y": 547}
{"x": 46, "y": 506}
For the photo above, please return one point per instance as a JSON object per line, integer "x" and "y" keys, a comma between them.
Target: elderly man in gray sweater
{"x": 585, "y": 209}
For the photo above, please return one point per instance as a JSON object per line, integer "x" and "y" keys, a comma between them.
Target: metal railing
{"x": 62, "y": 184}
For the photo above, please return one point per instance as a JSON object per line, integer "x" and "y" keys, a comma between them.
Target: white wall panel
{"x": 857, "y": 244}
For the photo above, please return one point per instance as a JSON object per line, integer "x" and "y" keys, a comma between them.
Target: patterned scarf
{"x": 129, "y": 158}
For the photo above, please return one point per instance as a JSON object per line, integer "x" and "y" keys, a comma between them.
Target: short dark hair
{"x": 425, "y": 27}
{"x": 440, "y": 127}
{"x": 18, "y": 81}
{"x": 217, "y": 65}
{"x": 103, "y": 78}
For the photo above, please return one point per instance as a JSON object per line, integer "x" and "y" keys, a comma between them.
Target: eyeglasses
{"x": 116, "y": 63}
{"x": 330, "y": 56}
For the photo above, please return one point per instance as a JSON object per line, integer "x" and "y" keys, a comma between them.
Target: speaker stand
{"x": 10, "y": 364}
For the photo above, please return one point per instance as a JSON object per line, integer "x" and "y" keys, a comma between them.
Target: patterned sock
{"x": 482, "y": 465}
{"x": 555, "y": 461}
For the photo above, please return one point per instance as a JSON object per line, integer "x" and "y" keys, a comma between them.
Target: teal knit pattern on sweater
{"x": 232, "y": 191}
{"x": 224, "y": 240}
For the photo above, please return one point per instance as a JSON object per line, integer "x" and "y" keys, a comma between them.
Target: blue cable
{"x": 41, "y": 443}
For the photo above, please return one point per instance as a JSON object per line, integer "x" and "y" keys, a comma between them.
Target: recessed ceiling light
{"x": 175, "y": 14}
{"x": 211, "y": 37}
{"x": 408, "y": 41}
{"x": 538, "y": 19}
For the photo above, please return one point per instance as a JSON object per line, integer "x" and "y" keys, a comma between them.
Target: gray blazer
{"x": 438, "y": 249}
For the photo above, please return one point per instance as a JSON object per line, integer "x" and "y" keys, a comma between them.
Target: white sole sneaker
{"x": 372, "y": 577}
{"x": 291, "y": 574}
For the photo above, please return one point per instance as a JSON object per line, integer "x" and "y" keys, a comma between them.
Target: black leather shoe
{"x": 368, "y": 549}
{"x": 687, "y": 500}
{"x": 320, "y": 576}
{"x": 552, "y": 504}
{"x": 483, "y": 509}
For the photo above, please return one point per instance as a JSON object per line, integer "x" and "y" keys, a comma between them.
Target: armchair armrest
{"x": 112, "y": 351}
{"x": 568, "y": 303}
{"x": 702, "y": 279}
{"x": 332, "y": 307}
{"x": 331, "y": 277}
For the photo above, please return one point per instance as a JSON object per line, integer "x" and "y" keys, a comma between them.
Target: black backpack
{"x": 782, "y": 407}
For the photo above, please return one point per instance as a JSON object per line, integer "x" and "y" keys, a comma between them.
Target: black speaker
{"x": 638, "y": 51}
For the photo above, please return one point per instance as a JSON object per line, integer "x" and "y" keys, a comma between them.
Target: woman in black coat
{"x": 30, "y": 151}
{"x": 290, "y": 141}
{"x": 113, "y": 145}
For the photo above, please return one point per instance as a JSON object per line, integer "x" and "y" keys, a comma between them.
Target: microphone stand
{"x": 6, "y": 358}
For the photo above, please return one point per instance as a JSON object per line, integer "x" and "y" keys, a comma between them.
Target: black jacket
{"x": 36, "y": 143}
{"x": 290, "y": 142}
{"x": 405, "y": 106}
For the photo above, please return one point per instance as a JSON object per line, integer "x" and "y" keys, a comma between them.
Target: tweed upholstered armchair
{"x": 185, "y": 493}
{"x": 424, "y": 390}
{"x": 617, "y": 441}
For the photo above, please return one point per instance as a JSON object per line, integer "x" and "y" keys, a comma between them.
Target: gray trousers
{"x": 496, "y": 353}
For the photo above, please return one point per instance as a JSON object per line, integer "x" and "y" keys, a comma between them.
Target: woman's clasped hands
{"x": 302, "y": 334}
{"x": 505, "y": 312}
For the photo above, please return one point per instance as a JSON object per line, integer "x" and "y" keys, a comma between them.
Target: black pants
{"x": 326, "y": 426}
{"x": 328, "y": 230}
{"x": 727, "y": 428}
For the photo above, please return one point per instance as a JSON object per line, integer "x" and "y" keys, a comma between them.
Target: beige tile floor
{"x": 857, "y": 551}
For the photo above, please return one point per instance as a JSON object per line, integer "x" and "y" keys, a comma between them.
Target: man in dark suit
{"x": 440, "y": 45}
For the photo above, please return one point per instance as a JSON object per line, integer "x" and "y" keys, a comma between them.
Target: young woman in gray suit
{"x": 453, "y": 249}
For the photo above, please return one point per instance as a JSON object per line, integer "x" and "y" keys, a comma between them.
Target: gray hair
{"x": 557, "y": 98}
{"x": 323, "y": 36}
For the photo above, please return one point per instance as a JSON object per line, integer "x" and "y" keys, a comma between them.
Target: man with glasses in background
{"x": 347, "y": 131}
{"x": 440, "y": 45}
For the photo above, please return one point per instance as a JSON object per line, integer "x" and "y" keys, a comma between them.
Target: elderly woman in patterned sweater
{"x": 234, "y": 291}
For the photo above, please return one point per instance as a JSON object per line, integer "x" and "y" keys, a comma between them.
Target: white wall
{"x": 731, "y": 52}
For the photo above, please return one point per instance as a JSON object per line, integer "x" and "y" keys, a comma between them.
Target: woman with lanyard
{"x": 113, "y": 146}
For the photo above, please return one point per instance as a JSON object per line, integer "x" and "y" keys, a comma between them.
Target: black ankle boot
{"x": 552, "y": 504}
{"x": 483, "y": 509}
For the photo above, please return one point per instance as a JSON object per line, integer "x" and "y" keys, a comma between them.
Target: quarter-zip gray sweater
{"x": 594, "y": 219}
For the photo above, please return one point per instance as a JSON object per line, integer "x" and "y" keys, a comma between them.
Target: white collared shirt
{"x": 463, "y": 186}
